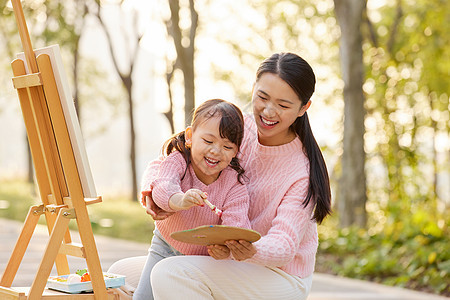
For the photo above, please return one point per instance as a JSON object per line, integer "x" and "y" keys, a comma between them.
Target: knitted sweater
{"x": 226, "y": 193}
{"x": 278, "y": 184}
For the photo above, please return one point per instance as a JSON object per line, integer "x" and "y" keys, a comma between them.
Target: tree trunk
{"x": 127, "y": 81}
{"x": 185, "y": 54}
{"x": 189, "y": 90}
{"x": 352, "y": 184}
{"x": 169, "y": 113}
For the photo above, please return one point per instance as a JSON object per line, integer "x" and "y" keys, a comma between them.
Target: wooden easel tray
{"x": 215, "y": 235}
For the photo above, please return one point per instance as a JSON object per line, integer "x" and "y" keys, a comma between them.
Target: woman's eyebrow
{"x": 282, "y": 100}
{"x": 287, "y": 101}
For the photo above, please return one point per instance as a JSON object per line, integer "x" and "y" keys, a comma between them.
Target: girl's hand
{"x": 241, "y": 250}
{"x": 218, "y": 251}
{"x": 192, "y": 197}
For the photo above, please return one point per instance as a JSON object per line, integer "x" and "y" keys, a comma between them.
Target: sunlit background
{"x": 406, "y": 51}
{"x": 104, "y": 121}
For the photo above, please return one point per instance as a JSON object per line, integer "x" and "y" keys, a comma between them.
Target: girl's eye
{"x": 228, "y": 148}
{"x": 206, "y": 141}
{"x": 263, "y": 98}
{"x": 283, "y": 106}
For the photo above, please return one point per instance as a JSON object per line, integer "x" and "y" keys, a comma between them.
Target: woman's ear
{"x": 304, "y": 109}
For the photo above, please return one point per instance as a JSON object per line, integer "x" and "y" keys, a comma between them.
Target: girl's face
{"x": 275, "y": 107}
{"x": 210, "y": 153}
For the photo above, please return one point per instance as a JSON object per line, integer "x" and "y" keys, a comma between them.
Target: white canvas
{"x": 70, "y": 115}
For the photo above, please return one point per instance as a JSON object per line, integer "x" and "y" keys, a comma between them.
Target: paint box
{"x": 60, "y": 283}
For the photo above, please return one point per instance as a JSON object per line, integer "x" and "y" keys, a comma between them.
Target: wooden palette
{"x": 215, "y": 235}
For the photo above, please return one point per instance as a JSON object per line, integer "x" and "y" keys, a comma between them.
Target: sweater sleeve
{"x": 168, "y": 180}
{"x": 279, "y": 246}
{"x": 150, "y": 174}
{"x": 235, "y": 209}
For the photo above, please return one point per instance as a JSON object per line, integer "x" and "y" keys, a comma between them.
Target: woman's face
{"x": 210, "y": 153}
{"x": 275, "y": 107}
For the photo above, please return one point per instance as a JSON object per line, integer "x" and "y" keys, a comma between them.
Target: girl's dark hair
{"x": 296, "y": 72}
{"x": 231, "y": 127}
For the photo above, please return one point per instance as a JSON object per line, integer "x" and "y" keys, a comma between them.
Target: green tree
{"x": 408, "y": 104}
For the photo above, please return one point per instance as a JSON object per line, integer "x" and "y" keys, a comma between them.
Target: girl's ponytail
{"x": 178, "y": 143}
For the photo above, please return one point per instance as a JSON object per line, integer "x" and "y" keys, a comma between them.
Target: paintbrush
{"x": 213, "y": 208}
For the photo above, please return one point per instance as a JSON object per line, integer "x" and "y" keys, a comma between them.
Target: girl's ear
{"x": 188, "y": 135}
{"x": 304, "y": 109}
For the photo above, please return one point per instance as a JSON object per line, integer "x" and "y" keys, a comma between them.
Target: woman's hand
{"x": 218, "y": 251}
{"x": 151, "y": 208}
{"x": 241, "y": 250}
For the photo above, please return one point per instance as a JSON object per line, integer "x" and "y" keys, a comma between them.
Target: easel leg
{"x": 62, "y": 265}
{"x": 92, "y": 259}
{"x": 21, "y": 245}
{"x": 61, "y": 225}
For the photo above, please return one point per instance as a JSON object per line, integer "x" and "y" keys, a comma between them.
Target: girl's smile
{"x": 211, "y": 162}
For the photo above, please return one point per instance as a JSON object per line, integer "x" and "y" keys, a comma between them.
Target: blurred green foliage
{"x": 411, "y": 252}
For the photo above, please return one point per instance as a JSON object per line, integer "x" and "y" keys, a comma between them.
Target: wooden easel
{"x": 58, "y": 179}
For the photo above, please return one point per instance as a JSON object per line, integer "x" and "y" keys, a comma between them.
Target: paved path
{"x": 325, "y": 287}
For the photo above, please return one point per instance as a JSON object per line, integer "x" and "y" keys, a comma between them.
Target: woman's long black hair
{"x": 231, "y": 127}
{"x": 296, "y": 72}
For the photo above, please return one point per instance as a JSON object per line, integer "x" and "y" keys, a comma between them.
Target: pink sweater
{"x": 278, "y": 184}
{"x": 226, "y": 193}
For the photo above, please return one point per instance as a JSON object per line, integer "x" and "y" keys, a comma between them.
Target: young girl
{"x": 289, "y": 195}
{"x": 201, "y": 164}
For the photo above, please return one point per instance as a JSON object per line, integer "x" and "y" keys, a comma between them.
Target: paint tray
{"x": 60, "y": 283}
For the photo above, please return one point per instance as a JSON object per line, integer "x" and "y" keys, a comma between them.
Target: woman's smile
{"x": 267, "y": 123}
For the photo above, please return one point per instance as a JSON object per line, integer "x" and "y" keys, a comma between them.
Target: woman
{"x": 289, "y": 195}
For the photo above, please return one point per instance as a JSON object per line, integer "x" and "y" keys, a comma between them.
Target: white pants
{"x": 202, "y": 277}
